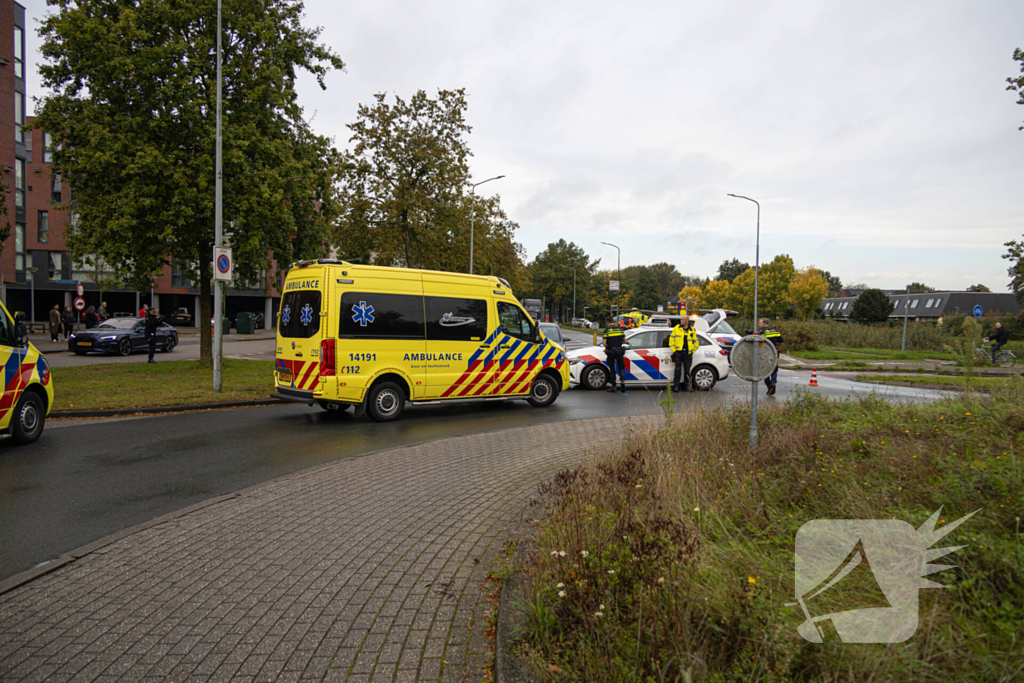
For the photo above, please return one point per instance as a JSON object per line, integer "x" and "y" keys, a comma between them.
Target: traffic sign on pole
{"x": 978, "y": 310}
{"x": 80, "y": 289}
{"x": 613, "y": 285}
{"x": 223, "y": 265}
{"x": 79, "y": 304}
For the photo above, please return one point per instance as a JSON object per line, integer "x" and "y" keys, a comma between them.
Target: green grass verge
{"x": 165, "y": 383}
{"x": 961, "y": 382}
{"x": 673, "y": 560}
{"x": 836, "y": 353}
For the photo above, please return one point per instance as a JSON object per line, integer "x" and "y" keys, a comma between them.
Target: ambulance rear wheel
{"x": 595, "y": 377}
{"x": 543, "y": 392}
{"x": 28, "y": 418}
{"x": 386, "y": 402}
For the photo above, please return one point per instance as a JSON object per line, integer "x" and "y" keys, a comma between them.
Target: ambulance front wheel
{"x": 543, "y": 392}
{"x": 28, "y": 418}
{"x": 385, "y": 402}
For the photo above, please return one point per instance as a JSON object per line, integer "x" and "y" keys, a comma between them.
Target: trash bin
{"x": 244, "y": 323}
{"x": 225, "y": 326}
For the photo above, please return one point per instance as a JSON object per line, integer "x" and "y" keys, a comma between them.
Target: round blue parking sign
{"x": 978, "y": 310}
{"x": 223, "y": 263}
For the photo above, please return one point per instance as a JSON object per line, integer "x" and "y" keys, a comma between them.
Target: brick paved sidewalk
{"x": 364, "y": 569}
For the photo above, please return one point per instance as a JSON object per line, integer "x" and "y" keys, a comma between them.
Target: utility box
{"x": 244, "y": 323}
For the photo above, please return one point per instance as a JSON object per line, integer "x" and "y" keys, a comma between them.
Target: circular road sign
{"x": 978, "y": 310}
{"x": 746, "y": 350}
{"x": 80, "y": 289}
{"x": 79, "y": 304}
{"x": 223, "y": 263}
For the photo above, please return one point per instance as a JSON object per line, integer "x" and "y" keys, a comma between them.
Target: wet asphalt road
{"x": 85, "y": 479}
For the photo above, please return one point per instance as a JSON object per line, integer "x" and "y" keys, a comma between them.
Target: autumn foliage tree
{"x": 713, "y": 295}
{"x": 806, "y": 290}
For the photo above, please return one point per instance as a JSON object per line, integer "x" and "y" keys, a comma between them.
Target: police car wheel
{"x": 704, "y": 378}
{"x": 169, "y": 344}
{"x": 125, "y": 347}
{"x": 543, "y": 392}
{"x": 595, "y": 377}
{"x": 28, "y": 418}
{"x": 386, "y": 402}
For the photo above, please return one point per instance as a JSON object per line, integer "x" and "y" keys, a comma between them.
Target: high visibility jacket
{"x": 772, "y": 335}
{"x": 683, "y": 339}
{"x": 614, "y": 337}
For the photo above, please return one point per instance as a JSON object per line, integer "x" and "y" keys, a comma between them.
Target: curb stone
{"x": 112, "y": 412}
{"x": 509, "y": 668}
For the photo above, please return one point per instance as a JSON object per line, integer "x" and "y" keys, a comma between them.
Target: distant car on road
{"x": 180, "y": 317}
{"x": 581, "y": 322}
{"x": 554, "y": 333}
{"x": 121, "y": 336}
{"x": 123, "y": 314}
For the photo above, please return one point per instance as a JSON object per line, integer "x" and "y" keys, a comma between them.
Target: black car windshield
{"x": 117, "y": 324}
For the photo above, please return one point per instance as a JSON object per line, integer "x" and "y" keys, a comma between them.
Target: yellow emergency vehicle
{"x": 28, "y": 388}
{"x": 378, "y": 338}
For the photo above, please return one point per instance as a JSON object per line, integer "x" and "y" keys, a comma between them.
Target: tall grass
{"x": 920, "y": 336}
{"x": 674, "y": 560}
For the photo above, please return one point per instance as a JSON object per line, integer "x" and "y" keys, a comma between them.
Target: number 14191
{"x": 365, "y": 357}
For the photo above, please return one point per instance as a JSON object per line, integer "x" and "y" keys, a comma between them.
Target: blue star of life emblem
{"x": 306, "y": 314}
{"x": 286, "y": 315}
{"x": 362, "y": 314}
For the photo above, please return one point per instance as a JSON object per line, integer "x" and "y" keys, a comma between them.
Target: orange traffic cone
{"x": 814, "y": 378}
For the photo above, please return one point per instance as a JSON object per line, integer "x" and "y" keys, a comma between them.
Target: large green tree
{"x": 132, "y": 95}
{"x": 873, "y": 305}
{"x": 730, "y": 270}
{"x": 1015, "y": 255}
{"x": 835, "y": 285}
{"x": 773, "y": 286}
{"x": 552, "y": 280}
{"x": 1016, "y": 83}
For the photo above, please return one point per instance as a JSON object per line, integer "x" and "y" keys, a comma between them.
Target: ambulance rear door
{"x": 299, "y": 329}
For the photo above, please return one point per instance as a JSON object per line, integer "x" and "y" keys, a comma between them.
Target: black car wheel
{"x": 595, "y": 377}
{"x": 385, "y": 402}
{"x": 169, "y": 344}
{"x": 704, "y": 377}
{"x": 28, "y": 418}
{"x": 124, "y": 348}
{"x": 543, "y": 392}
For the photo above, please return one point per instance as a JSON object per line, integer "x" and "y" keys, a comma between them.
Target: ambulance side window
{"x": 300, "y": 314}
{"x": 514, "y": 322}
{"x": 451, "y": 319}
{"x": 6, "y": 328}
{"x": 368, "y": 315}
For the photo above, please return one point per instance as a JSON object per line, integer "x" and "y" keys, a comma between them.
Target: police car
{"x": 649, "y": 361}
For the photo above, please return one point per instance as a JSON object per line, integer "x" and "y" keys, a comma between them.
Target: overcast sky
{"x": 877, "y": 136}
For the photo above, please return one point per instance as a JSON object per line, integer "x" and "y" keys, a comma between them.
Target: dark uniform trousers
{"x": 682, "y": 361}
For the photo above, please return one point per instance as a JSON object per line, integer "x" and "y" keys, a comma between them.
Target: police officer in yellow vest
{"x": 775, "y": 337}
{"x": 683, "y": 342}
{"x": 614, "y": 337}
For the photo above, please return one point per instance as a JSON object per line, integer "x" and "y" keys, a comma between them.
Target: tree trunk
{"x": 205, "y": 311}
{"x": 406, "y": 238}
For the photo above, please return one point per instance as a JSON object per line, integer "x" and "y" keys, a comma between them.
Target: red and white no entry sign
{"x": 79, "y": 303}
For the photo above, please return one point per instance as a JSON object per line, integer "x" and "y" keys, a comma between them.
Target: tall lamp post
{"x": 573, "y": 290}
{"x": 32, "y": 270}
{"x": 472, "y": 192}
{"x": 753, "y": 385}
{"x": 218, "y": 229}
{"x": 618, "y": 274}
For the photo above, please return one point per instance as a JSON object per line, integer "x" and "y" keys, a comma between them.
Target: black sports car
{"x": 121, "y": 336}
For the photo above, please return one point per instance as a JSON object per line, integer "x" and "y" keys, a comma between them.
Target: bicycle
{"x": 1004, "y": 358}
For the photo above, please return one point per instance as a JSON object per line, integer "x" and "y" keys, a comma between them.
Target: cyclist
{"x": 999, "y": 341}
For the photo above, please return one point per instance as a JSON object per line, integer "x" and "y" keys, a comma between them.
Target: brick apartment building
{"x": 39, "y": 206}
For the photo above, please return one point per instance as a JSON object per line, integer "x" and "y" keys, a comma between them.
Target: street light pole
{"x": 472, "y": 193}
{"x": 32, "y": 270}
{"x": 218, "y": 230}
{"x": 573, "y": 290}
{"x": 618, "y": 274}
{"x": 753, "y": 385}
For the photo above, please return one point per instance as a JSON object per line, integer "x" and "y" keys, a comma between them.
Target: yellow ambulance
{"x": 378, "y": 338}
{"x": 28, "y": 389}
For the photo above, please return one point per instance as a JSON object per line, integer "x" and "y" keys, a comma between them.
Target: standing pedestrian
{"x": 614, "y": 338}
{"x": 55, "y": 323}
{"x": 152, "y": 324}
{"x": 144, "y": 310}
{"x": 775, "y": 337}
{"x": 68, "y": 318}
{"x": 101, "y": 312}
{"x": 999, "y": 340}
{"x": 683, "y": 342}
{"x": 91, "y": 319}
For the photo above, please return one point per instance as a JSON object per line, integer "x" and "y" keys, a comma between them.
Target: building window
{"x": 915, "y": 303}
{"x": 19, "y": 246}
{"x": 929, "y": 304}
{"x": 19, "y": 183}
{"x": 47, "y": 150}
{"x": 57, "y": 195}
{"x": 179, "y": 276}
{"x": 44, "y": 227}
{"x": 19, "y": 52}
{"x": 53, "y": 267}
{"x": 19, "y": 116}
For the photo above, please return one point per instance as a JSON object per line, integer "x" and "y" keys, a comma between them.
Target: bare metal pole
{"x": 906, "y": 311}
{"x": 618, "y": 274}
{"x": 753, "y": 385}
{"x": 472, "y": 206}
{"x": 218, "y": 230}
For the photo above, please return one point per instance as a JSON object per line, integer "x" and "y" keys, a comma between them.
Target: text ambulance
{"x": 377, "y": 338}
{"x": 28, "y": 389}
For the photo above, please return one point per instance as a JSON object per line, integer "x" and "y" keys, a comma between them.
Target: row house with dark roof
{"x": 930, "y": 306}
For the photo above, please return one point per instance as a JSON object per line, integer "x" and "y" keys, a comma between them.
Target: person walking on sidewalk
{"x": 683, "y": 342}
{"x": 614, "y": 338}
{"x": 91, "y": 320}
{"x": 775, "y": 337}
{"x": 152, "y": 324}
{"x": 68, "y": 318}
{"x": 55, "y": 323}
{"x": 101, "y": 312}
{"x": 999, "y": 340}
